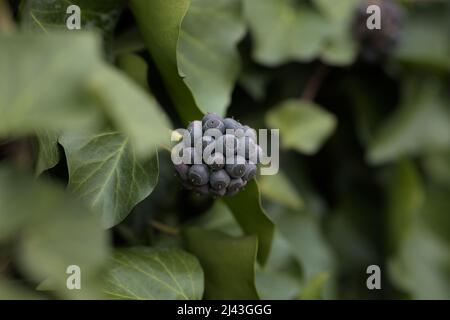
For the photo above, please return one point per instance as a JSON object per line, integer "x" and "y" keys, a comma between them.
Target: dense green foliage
{"x": 86, "y": 177}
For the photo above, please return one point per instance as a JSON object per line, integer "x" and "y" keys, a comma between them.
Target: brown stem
{"x": 6, "y": 21}
{"x": 314, "y": 83}
{"x": 164, "y": 228}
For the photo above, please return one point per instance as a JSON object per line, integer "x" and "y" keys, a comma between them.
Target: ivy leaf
{"x": 104, "y": 170}
{"x": 49, "y": 16}
{"x": 228, "y": 263}
{"x": 278, "y": 188}
{"x": 154, "y": 274}
{"x": 9, "y": 290}
{"x": 248, "y": 211}
{"x": 313, "y": 290}
{"x": 135, "y": 67}
{"x": 417, "y": 48}
{"x": 420, "y": 125}
{"x": 130, "y": 109}
{"x": 48, "y": 153}
{"x": 343, "y": 13}
{"x": 406, "y": 199}
{"x": 422, "y": 264}
{"x": 304, "y": 126}
{"x": 207, "y": 51}
{"x": 295, "y": 32}
{"x": 340, "y": 50}
{"x": 55, "y": 231}
{"x": 302, "y": 230}
{"x": 281, "y": 278}
{"x": 437, "y": 167}
{"x": 30, "y": 103}
{"x": 160, "y": 23}
{"x": 92, "y": 93}
{"x": 298, "y": 32}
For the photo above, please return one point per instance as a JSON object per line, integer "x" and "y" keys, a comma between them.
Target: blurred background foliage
{"x": 364, "y": 119}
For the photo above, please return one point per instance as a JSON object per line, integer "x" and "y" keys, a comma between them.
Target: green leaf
{"x": 315, "y": 287}
{"x": 298, "y": 32}
{"x": 422, "y": 266}
{"x": 437, "y": 167}
{"x": 248, "y": 211}
{"x": 406, "y": 199}
{"x": 130, "y": 109}
{"x": 279, "y": 189}
{"x": 219, "y": 218}
{"x": 49, "y": 16}
{"x": 30, "y": 103}
{"x": 207, "y": 51}
{"x": 48, "y": 153}
{"x": 55, "y": 232}
{"x": 302, "y": 230}
{"x": 154, "y": 274}
{"x": 9, "y": 290}
{"x": 343, "y": 13}
{"x": 420, "y": 125}
{"x": 92, "y": 92}
{"x": 436, "y": 209}
{"x": 295, "y": 32}
{"x": 304, "y": 126}
{"x": 281, "y": 277}
{"x": 135, "y": 67}
{"x": 340, "y": 50}
{"x": 160, "y": 23}
{"x": 228, "y": 263}
{"x": 417, "y": 47}
{"x": 105, "y": 171}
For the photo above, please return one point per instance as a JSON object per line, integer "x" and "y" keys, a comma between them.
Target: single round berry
{"x": 234, "y": 186}
{"x": 239, "y": 133}
{"x": 214, "y": 124}
{"x": 198, "y": 174}
{"x": 218, "y": 193}
{"x": 231, "y": 124}
{"x": 219, "y": 180}
{"x": 195, "y": 130}
{"x": 210, "y": 116}
{"x": 236, "y": 168}
{"x": 216, "y": 161}
{"x": 194, "y": 125}
{"x": 213, "y": 133}
{"x": 250, "y": 171}
{"x": 182, "y": 171}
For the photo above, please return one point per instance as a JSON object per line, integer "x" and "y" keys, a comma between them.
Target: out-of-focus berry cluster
{"x": 378, "y": 43}
{"x": 216, "y": 156}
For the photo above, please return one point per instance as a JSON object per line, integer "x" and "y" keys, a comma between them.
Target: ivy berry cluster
{"x": 220, "y": 156}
